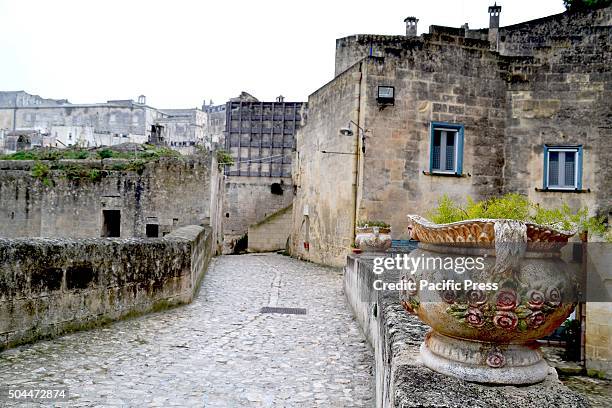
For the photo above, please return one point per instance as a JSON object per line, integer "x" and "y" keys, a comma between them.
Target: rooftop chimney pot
{"x": 411, "y": 26}
{"x": 494, "y": 12}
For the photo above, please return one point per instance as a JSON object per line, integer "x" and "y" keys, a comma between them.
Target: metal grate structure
{"x": 260, "y": 136}
{"x": 283, "y": 310}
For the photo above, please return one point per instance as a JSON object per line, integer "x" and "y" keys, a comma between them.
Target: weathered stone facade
{"x": 162, "y": 196}
{"x": 511, "y": 94}
{"x": 51, "y": 286}
{"x": 509, "y": 106}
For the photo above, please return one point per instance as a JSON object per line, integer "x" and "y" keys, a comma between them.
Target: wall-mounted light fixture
{"x": 385, "y": 95}
{"x": 348, "y": 131}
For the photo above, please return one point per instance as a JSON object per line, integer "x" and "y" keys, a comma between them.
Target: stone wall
{"x": 442, "y": 79}
{"x": 52, "y": 286}
{"x": 272, "y": 233}
{"x": 598, "y": 324}
{"x": 249, "y": 200}
{"x": 557, "y": 31}
{"x": 324, "y": 173}
{"x": 561, "y": 97}
{"x": 169, "y": 193}
{"x": 402, "y": 380}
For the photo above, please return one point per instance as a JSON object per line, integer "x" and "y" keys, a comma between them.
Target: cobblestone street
{"x": 219, "y": 351}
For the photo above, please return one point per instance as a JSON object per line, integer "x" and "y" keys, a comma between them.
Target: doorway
{"x": 111, "y": 223}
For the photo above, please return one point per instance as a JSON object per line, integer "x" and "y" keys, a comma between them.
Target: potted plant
{"x": 373, "y": 236}
{"x": 355, "y": 249}
{"x": 488, "y": 333}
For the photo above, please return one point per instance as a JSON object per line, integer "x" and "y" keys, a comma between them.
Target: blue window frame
{"x": 446, "y": 148}
{"x": 562, "y": 167}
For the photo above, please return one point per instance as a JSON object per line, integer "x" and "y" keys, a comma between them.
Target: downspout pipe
{"x": 357, "y": 154}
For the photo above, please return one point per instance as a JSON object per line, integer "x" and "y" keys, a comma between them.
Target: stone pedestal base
{"x": 484, "y": 362}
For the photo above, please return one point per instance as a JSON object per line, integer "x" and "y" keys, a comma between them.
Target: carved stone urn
{"x": 373, "y": 239}
{"x": 485, "y": 320}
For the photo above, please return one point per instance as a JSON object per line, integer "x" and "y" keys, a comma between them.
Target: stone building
{"x": 260, "y": 136}
{"x": 121, "y": 202}
{"x": 522, "y": 108}
{"x": 61, "y": 123}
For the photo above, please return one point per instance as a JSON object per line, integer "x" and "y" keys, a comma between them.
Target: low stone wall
{"x": 271, "y": 233}
{"x": 402, "y": 380}
{"x": 52, "y": 286}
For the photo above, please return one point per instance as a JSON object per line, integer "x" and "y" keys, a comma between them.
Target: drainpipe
{"x": 357, "y": 154}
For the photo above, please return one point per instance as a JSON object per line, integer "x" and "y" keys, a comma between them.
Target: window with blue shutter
{"x": 446, "y": 153}
{"x": 563, "y": 167}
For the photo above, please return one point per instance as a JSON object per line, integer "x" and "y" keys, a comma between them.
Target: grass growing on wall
{"x": 48, "y": 159}
{"x": 142, "y": 152}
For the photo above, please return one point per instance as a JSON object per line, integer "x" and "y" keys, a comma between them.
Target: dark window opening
{"x": 226, "y": 215}
{"x": 111, "y": 223}
{"x": 152, "y": 230}
{"x": 276, "y": 188}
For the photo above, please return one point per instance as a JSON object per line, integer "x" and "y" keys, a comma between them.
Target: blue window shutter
{"x": 460, "y": 151}
{"x": 579, "y": 164}
{"x": 431, "y": 147}
{"x": 545, "y": 181}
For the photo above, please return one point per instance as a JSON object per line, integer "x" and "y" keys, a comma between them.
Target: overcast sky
{"x": 179, "y": 52}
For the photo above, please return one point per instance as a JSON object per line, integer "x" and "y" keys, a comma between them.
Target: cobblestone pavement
{"x": 219, "y": 351}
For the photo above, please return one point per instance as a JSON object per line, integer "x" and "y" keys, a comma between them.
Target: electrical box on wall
{"x": 385, "y": 95}
{"x": 306, "y": 210}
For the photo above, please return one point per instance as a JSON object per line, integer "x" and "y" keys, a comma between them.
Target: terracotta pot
{"x": 489, "y": 334}
{"x": 373, "y": 239}
{"x": 356, "y": 250}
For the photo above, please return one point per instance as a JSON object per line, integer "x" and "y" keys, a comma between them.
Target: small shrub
{"x": 78, "y": 154}
{"x": 72, "y": 172}
{"x": 95, "y": 175}
{"x": 119, "y": 167}
{"x": 224, "y": 158}
{"x": 517, "y": 207}
{"x": 447, "y": 211}
{"x": 137, "y": 165}
{"x": 41, "y": 171}
{"x": 49, "y": 154}
{"x": 105, "y": 153}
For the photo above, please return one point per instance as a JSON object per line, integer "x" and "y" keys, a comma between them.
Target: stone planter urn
{"x": 373, "y": 239}
{"x": 519, "y": 290}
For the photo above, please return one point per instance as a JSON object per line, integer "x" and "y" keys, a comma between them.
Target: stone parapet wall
{"x": 52, "y": 286}
{"x": 402, "y": 380}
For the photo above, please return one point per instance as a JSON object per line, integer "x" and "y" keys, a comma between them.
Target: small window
{"x": 152, "y": 230}
{"x": 563, "y": 167}
{"x": 276, "y": 189}
{"x": 446, "y": 148}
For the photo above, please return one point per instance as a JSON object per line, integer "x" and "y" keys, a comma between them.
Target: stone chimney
{"x": 142, "y": 100}
{"x": 494, "y": 12}
{"x": 411, "y": 26}
{"x": 280, "y": 98}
